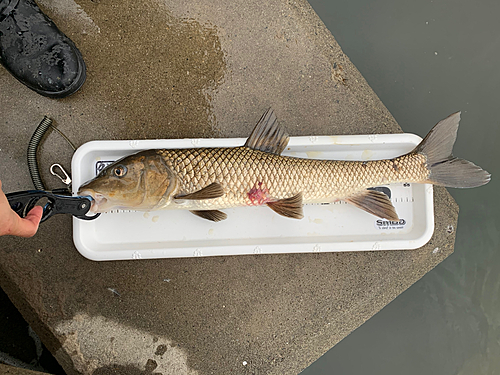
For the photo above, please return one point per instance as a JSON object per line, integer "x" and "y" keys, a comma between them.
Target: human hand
{"x": 11, "y": 223}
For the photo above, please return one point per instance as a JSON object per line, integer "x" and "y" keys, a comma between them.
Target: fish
{"x": 208, "y": 180}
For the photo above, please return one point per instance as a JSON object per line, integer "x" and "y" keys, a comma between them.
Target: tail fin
{"x": 446, "y": 170}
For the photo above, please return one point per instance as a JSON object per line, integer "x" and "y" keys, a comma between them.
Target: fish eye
{"x": 120, "y": 171}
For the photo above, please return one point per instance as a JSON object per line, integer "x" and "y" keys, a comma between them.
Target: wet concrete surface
{"x": 169, "y": 70}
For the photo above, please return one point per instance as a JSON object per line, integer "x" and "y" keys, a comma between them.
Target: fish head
{"x": 137, "y": 182}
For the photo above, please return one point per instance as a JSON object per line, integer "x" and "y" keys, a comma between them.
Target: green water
{"x": 426, "y": 60}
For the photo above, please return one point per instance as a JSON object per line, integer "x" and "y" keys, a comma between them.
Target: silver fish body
{"x": 252, "y": 177}
{"x": 206, "y": 180}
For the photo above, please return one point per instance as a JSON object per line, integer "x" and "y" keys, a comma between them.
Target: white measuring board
{"x": 256, "y": 230}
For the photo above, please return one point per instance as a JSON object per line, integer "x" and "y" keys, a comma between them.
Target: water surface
{"x": 426, "y": 60}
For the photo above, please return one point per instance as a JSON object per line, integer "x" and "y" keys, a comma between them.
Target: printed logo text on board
{"x": 390, "y": 224}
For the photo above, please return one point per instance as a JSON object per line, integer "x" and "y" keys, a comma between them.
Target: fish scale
{"x": 240, "y": 169}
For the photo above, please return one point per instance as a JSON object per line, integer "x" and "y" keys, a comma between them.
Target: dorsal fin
{"x": 268, "y": 135}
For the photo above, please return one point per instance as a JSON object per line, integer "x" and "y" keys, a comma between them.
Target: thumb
{"x": 29, "y": 225}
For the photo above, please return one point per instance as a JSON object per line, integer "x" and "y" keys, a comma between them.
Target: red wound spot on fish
{"x": 258, "y": 195}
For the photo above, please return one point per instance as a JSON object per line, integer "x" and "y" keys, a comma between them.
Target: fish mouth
{"x": 98, "y": 200}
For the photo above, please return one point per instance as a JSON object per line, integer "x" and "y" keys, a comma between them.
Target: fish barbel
{"x": 206, "y": 180}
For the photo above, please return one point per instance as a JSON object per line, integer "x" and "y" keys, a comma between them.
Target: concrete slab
{"x": 11, "y": 370}
{"x": 167, "y": 69}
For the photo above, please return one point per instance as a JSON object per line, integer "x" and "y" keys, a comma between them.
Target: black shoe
{"x": 36, "y": 52}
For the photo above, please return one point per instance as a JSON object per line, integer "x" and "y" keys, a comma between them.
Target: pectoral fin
{"x": 212, "y": 215}
{"x": 375, "y": 203}
{"x": 289, "y": 207}
{"x": 214, "y": 190}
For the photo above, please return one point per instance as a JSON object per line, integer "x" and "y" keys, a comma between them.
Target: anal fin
{"x": 375, "y": 203}
{"x": 212, "y": 215}
{"x": 212, "y": 191}
{"x": 289, "y": 207}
